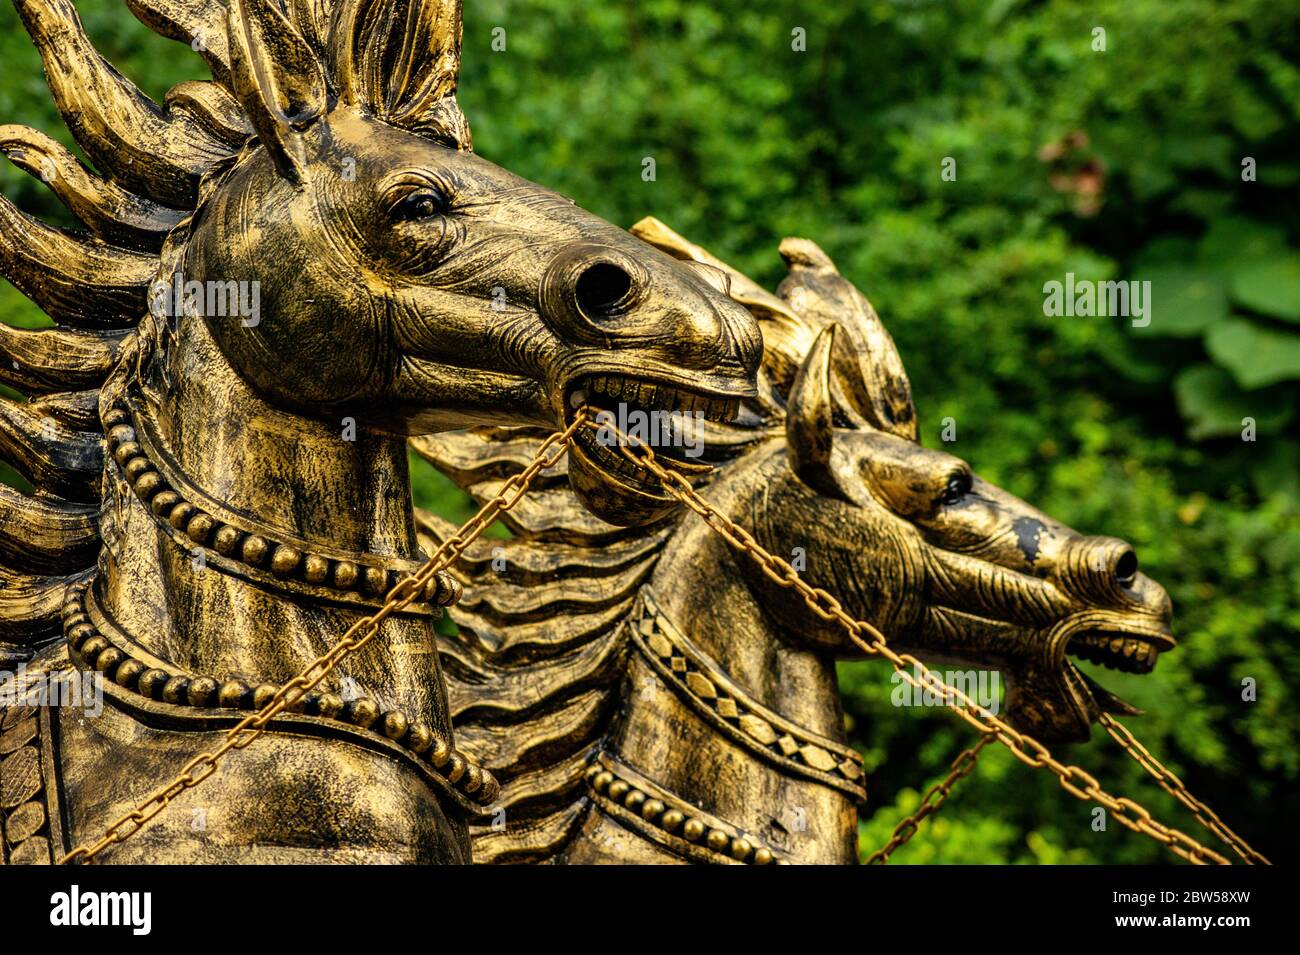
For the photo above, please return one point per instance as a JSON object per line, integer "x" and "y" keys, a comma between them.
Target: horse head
{"x": 418, "y": 286}
{"x": 947, "y": 565}
{"x": 412, "y": 282}
{"x": 326, "y": 173}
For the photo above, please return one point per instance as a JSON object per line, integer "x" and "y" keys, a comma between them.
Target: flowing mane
{"x": 156, "y": 165}
{"x": 542, "y": 620}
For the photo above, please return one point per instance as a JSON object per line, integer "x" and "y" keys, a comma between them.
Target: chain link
{"x": 1174, "y": 786}
{"x": 871, "y": 641}
{"x": 866, "y": 637}
{"x": 403, "y": 593}
{"x": 931, "y": 802}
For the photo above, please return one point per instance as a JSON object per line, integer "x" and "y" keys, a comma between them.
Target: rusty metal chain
{"x": 871, "y": 641}
{"x": 357, "y": 636}
{"x": 865, "y": 636}
{"x": 931, "y": 802}
{"x": 1174, "y": 786}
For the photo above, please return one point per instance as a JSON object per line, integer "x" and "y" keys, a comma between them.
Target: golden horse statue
{"x": 287, "y": 271}
{"x": 652, "y": 696}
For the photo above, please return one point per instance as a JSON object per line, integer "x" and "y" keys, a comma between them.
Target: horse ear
{"x": 809, "y": 423}
{"x": 277, "y": 78}
{"x": 868, "y": 376}
{"x": 400, "y": 60}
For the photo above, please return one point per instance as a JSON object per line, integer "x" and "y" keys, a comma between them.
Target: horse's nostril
{"x": 603, "y": 290}
{"x": 1126, "y": 568}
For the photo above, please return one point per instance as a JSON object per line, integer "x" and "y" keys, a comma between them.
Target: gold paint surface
{"x": 225, "y": 466}
{"x": 707, "y": 675}
{"x": 290, "y": 269}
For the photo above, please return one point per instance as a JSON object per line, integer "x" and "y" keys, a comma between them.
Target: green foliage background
{"x": 1115, "y": 430}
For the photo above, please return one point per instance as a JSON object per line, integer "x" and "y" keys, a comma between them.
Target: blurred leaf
{"x": 1270, "y": 287}
{"x": 1139, "y": 362}
{"x": 1257, "y": 355}
{"x": 1214, "y": 406}
{"x": 1212, "y": 152}
{"x": 1203, "y": 203}
{"x": 1279, "y": 175}
{"x": 1279, "y": 470}
{"x": 1231, "y": 241}
{"x": 1183, "y": 302}
{"x": 1165, "y": 250}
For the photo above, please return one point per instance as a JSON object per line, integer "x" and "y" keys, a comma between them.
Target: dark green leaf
{"x": 1215, "y": 407}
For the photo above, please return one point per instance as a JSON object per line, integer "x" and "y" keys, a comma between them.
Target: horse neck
{"x": 314, "y": 479}
{"x": 294, "y": 476}
{"x": 698, "y": 586}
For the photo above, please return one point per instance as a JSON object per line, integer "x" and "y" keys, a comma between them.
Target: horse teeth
{"x": 653, "y": 396}
{"x": 1127, "y": 654}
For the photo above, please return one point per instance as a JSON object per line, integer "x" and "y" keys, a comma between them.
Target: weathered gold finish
{"x": 224, "y": 518}
{"x": 289, "y": 270}
{"x": 867, "y": 638}
{"x": 298, "y": 694}
{"x": 667, "y": 655}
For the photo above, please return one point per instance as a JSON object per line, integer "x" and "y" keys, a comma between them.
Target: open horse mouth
{"x": 669, "y": 416}
{"x": 1053, "y": 699}
{"x": 1127, "y": 652}
{"x": 1065, "y": 700}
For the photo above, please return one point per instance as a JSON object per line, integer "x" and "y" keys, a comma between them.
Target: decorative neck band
{"x": 238, "y": 546}
{"x": 98, "y": 643}
{"x": 724, "y": 704}
{"x": 638, "y": 804}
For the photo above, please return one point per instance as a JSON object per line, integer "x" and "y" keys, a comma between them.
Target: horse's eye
{"x": 958, "y": 487}
{"x": 422, "y": 204}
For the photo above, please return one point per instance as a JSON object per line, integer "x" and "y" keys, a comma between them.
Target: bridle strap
{"x": 731, "y": 709}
